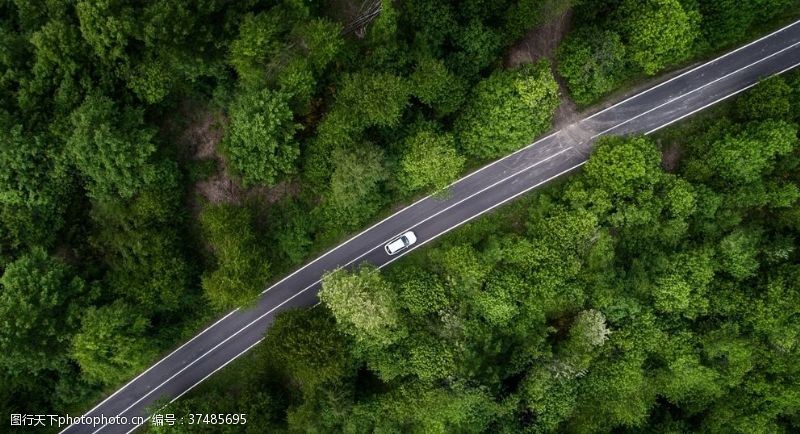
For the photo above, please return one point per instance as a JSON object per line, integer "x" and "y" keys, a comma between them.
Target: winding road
{"x": 471, "y": 196}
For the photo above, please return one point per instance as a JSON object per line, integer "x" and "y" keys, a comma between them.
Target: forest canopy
{"x": 629, "y": 298}
{"x": 164, "y": 160}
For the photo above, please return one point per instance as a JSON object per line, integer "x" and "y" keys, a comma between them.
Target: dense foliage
{"x": 123, "y": 229}
{"x": 627, "y": 299}
{"x": 613, "y": 41}
{"x": 112, "y": 247}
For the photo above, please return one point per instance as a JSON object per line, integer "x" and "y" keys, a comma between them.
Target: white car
{"x": 400, "y": 243}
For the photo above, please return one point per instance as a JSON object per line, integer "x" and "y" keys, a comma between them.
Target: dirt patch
{"x": 203, "y": 133}
{"x": 200, "y": 139}
{"x": 567, "y": 111}
{"x": 541, "y": 42}
{"x": 219, "y": 188}
{"x": 343, "y": 11}
{"x": 275, "y": 193}
{"x": 671, "y": 157}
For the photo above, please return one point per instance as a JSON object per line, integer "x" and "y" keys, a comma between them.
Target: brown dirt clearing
{"x": 200, "y": 140}
{"x": 542, "y": 42}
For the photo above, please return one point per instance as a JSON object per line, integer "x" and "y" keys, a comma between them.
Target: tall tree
{"x": 310, "y": 349}
{"x": 430, "y": 161}
{"x": 592, "y": 65}
{"x": 33, "y": 188}
{"x": 112, "y": 344}
{"x": 260, "y": 143}
{"x": 507, "y": 110}
{"x": 111, "y": 147}
{"x": 241, "y": 270}
{"x": 351, "y": 203}
{"x": 40, "y": 304}
{"x": 364, "y": 306}
{"x": 658, "y": 32}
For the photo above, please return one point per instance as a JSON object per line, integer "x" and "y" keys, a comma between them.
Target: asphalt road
{"x": 475, "y": 194}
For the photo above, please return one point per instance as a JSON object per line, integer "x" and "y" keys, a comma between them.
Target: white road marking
{"x": 156, "y": 364}
{"x": 318, "y": 281}
{"x": 460, "y": 202}
{"x": 208, "y": 352}
{"x": 484, "y": 211}
{"x": 409, "y": 206}
{"x": 195, "y": 384}
{"x": 695, "y": 69}
{"x": 714, "y": 102}
{"x": 697, "y": 89}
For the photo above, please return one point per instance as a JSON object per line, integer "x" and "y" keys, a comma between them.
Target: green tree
{"x": 321, "y": 39}
{"x": 142, "y": 248}
{"x": 111, "y": 147}
{"x": 552, "y": 401}
{"x": 157, "y": 46}
{"x": 461, "y": 267}
{"x": 658, "y": 32}
{"x": 258, "y": 43}
{"x": 593, "y": 62}
{"x": 372, "y": 98}
{"x": 419, "y": 409}
{"x": 772, "y": 311}
{"x": 430, "y": 162}
{"x": 61, "y": 61}
{"x": 741, "y": 154}
{"x": 622, "y": 167}
{"x": 364, "y": 305}
{"x": 683, "y": 282}
{"x": 33, "y": 186}
{"x": 241, "y": 269}
{"x": 422, "y": 293}
{"x": 728, "y": 21}
{"x": 685, "y": 380}
{"x": 308, "y": 347}
{"x": 40, "y": 302}
{"x": 587, "y": 333}
{"x": 434, "y": 23}
{"x": 436, "y": 86}
{"x": 112, "y": 344}
{"x": 260, "y": 142}
{"x": 352, "y": 203}
{"x": 739, "y": 253}
{"x": 614, "y": 393}
{"x": 107, "y": 26}
{"x": 477, "y": 46}
{"x": 770, "y": 99}
{"x": 507, "y": 110}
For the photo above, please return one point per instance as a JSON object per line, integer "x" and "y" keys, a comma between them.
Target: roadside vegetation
{"x": 162, "y": 161}
{"x": 614, "y": 42}
{"x": 656, "y": 291}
